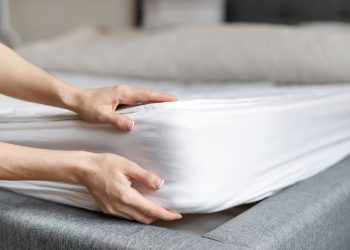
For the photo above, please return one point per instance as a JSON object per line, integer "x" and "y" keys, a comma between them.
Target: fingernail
{"x": 178, "y": 216}
{"x": 130, "y": 124}
{"x": 159, "y": 183}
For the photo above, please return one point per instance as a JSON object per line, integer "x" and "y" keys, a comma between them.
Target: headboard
{"x": 277, "y": 11}
{"x": 287, "y": 11}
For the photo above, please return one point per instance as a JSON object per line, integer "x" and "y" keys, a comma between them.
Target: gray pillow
{"x": 241, "y": 52}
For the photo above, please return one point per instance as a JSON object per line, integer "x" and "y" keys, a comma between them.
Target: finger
{"x": 122, "y": 122}
{"x": 137, "y": 215}
{"x": 150, "y": 209}
{"x": 145, "y": 96}
{"x": 132, "y": 215}
{"x": 122, "y": 215}
{"x": 145, "y": 177}
{"x": 122, "y": 209}
{"x": 110, "y": 210}
{"x": 125, "y": 212}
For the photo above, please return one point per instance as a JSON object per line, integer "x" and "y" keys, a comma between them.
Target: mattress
{"x": 219, "y": 146}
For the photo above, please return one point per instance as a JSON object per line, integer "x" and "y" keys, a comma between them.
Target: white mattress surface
{"x": 220, "y": 145}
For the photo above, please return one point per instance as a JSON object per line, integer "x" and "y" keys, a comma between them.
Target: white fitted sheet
{"x": 219, "y": 146}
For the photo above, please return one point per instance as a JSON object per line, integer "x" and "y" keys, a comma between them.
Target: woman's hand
{"x": 108, "y": 178}
{"x": 99, "y": 105}
{"x": 22, "y": 80}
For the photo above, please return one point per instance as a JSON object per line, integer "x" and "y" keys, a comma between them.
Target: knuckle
{"x": 123, "y": 86}
{"x": 108, "y": 210}
{"x": 120, "y": 120}
{"x": 114, "y": 210}
{"x": 131, "y": 166}
{"x": 123, "y": 121}
{"x": 146, "y": 92}
{"x": 151, "y": 212}
{"x": 122, "y": 165}
{"x": 125, "y": 197}
{"x": 105, "y": 158}
{"x": 120, "y": 88}
{"x": 100, "y": 116}
{"x": 148, "y": 178}
{"x": 104, "y": 210}
{"x": 147, "y": 220}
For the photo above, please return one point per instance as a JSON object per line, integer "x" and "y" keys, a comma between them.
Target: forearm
{"x": 22, "y": 80}
{"x": 25, "y": 163}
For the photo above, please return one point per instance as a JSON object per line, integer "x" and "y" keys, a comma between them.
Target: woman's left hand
{"x": 99, "y": 105}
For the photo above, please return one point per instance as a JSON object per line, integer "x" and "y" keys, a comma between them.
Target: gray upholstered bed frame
{"x": 313, "y": 214}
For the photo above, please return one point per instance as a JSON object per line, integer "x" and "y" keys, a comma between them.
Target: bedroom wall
{"x": 35, "y": 19}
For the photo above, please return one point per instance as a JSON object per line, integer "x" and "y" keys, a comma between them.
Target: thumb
{"x": 146, "y": 178}
{"x": 122, "y": 122}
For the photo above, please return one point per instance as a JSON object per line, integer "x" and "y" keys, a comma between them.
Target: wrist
{"x": 71, "y": 97}
{"x": 84, "y": 167}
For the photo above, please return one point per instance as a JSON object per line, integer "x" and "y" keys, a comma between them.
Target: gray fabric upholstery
{"x": 310, "y": 215}
{"x": 313, "y": 214}
{"x": 27, "y": 223}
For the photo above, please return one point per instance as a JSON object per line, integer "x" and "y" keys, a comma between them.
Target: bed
{"x": 263, "y": 137}
{"x": 309, "y": 214}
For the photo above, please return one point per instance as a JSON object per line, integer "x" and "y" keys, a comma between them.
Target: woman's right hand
{"x": 108, "y": 178}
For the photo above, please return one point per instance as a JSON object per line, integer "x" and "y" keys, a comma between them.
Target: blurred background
{"x": 28, "y": 20}
{"x": 37, "y": 19}
{"x": 73, "y": 27}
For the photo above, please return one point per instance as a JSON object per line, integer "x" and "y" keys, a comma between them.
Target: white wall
{"x": 35, "y": 19}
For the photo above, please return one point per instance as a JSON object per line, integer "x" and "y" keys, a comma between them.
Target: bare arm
{"x": 108, "y": 177}
{"x": 25, "y": 163}
{"x": 22, "y": 80}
